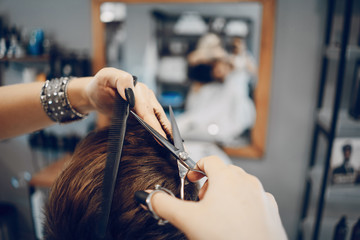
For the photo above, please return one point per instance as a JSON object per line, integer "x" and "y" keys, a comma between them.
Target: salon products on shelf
{"x": 48, "y": 147}
{"x": 355, "y": 232}
{"x": 343, "y": 230}
{"x": 15, "y": 44}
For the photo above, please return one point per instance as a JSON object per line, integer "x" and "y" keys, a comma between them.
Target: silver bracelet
{"x": 158, "y": 188}
{"x": 56, "y": 103}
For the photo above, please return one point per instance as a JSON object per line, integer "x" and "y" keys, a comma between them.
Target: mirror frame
{"x": 256, "y": 149}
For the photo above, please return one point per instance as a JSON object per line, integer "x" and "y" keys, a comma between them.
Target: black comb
{"x": 116, "y": 139}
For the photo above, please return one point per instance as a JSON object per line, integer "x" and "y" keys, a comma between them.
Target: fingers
{"x": 220, "y": 196}
{"x": 101, "y": 91}
{"x": 141, "y": 98}
{"x": 210, "y": 165}
{"x": 194, "y": 176}
{"x": 123, "y": 81}
{"x": 153, "y": 119}
{"x": 161, "y": 113}
{"x": 146, "y": 105}
{"x": 115, "y": 79}
{"x": 203, "y": 190}
{"x": 272, "y": 201}
{"x": 174, "y": 210}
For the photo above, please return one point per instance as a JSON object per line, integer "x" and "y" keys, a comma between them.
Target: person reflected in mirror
{"x": 219, "y": 107}
{"x": 241, "y": 57}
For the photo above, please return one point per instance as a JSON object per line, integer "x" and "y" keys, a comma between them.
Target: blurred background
{"x": 313, "y": 108}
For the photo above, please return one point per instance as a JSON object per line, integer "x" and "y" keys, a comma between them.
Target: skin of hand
{"x": 233, "y": 205}
{"x": 101, "y": 95}
{"x": 101, "y": 90}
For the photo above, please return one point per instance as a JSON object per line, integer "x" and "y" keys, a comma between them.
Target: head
{"x": 221, "y": 68}
{"x": 75, "y": 198}
{"x": 209, "y": 61}
{"x": 239, "y": 45}
{"x": 347, "y": 151}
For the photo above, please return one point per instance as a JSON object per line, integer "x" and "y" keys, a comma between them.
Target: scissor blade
{"x": 178, "y": 141}
{"x": 157, "y": 135}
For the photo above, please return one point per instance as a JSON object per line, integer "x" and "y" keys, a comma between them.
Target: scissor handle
{"x": 190, "y": 165}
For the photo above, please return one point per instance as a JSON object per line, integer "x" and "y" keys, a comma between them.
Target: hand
{"x": 149, "y": 109}
{"x": 101, "y": 90}
{"x": 233, "y": 205}
{"x": 101, "y": 95}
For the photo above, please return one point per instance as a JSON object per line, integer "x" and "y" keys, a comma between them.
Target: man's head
{"x": 75, "y": 198}
{"x": 347, "y": 151}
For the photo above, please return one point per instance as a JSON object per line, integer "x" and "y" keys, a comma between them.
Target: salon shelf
{"x": 346, "y": 126}
{"x": 327, "y": 228}
{"x": 337, "y": 195}
{"x": 344, "y": 193}
{"x": 26, "y": 59}
{"x": 332, "y": 52}
{"x": 179, "y": 35}
{"x": 325, "y": 204}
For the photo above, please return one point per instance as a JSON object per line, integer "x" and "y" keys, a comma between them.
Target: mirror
{"x": 186, "y": 52}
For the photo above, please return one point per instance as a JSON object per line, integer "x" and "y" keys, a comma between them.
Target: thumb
{"x": 174, "y": 210}
{"x": 126, "y": 91}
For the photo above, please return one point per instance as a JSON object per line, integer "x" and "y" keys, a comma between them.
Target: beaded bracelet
{"x": 56, "y": 103}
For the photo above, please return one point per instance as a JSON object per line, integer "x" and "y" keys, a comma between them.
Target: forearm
{"x": 21, "y": 110}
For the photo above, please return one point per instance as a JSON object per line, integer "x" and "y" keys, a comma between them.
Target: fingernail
{"x": 129, "y": 94}
{"x": 141, "y": 196}
{"x": 134, "y": 79}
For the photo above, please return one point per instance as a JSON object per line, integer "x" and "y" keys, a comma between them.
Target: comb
{"x": 116, "y": 139}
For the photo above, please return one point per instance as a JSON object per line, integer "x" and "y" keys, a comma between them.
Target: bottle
{"x": 15, "y": 49}
{"x": 341, "y": 229}
{"x": 355, "y": 233}
{"x": 36, "y": 42}
{"x": 3, "y": 42}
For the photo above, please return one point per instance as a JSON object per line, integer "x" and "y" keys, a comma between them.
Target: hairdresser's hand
{"x": 101, "y": 95}
{"x": 102, "y": 88}
{"x": 233, "y": 205}
{"x": 149, "y": 109}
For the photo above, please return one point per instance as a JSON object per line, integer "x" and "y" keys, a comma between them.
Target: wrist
{"x": 77, "y": 95}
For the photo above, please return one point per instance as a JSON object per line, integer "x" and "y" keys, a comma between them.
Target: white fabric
{"x": 219, "y": 112}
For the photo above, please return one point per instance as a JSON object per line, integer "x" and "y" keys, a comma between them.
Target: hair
{"x": 75, "y": 197}
{"x": 346, "y": 147}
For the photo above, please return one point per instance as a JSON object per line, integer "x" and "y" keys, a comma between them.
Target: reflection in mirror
{"x": 200, "y": 58}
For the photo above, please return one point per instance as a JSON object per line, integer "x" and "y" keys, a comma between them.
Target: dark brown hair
{"x": 75, "y": 197}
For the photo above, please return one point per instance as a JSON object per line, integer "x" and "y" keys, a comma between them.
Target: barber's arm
{"x": 21, "y": 110}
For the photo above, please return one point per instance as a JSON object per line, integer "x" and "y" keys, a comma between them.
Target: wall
{"x": 298, "y": 38}
{"x": 68, "y": 22}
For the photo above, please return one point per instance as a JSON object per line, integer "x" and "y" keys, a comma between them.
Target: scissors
{"x": 184, "y": 162}
{"x": 116, "y": 139}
